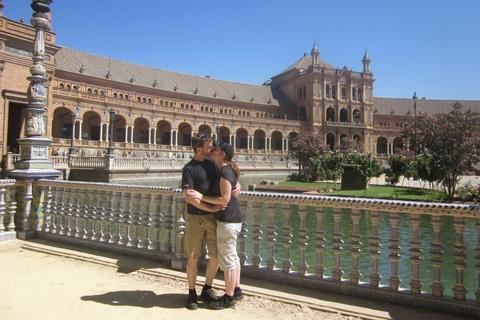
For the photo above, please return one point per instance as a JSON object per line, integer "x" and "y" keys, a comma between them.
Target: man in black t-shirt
{"x": 200, "y": 225}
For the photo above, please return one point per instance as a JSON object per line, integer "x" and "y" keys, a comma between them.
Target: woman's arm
{"x": 202, "y": 205}
{"x": 225, "y": 191}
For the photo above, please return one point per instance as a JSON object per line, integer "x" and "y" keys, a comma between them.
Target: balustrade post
{"x": 67, "y": 210}
{"x": 109, "y": 217}
{"x": 337, "y": 241}
{"x": 271, "y": 235}
{"x": 242, "y": 237}
{"x": 48, "y": 217}
{"x": 415, "y": 252}
{"x": 256, "y": 234}
{"x": 127, "y": 197}
{"x": 3, "y": 206}
{"x": 12, "y": 208}
{"x": 394, "y": 251}
{"x": 99, "y": 212}
{"x": 180, "y": 223}
{"x": 169, "y": 222}
{"x": 117, "y": 217}
{"x": 83, "y": 213}
{"x": 90, "y": 214}
{"x": 302, "y": 240}
{"x": 355, "y": 243}
{"x": 146, "y": 222}
{"x": 26, "y": 217}
{"x": 75, "y": 212}
{"x": 287, "y": 236}
{"x": 437, "y": 253}
{"x": 375, "y": 246}
{"x": 319, "y": 242}
{"x": 136, "y": 219}
{"x": 459, "y": 291}
{"x": 157, "y": 221}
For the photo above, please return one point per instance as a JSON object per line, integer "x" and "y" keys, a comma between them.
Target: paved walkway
{"x": 46, "y": 280}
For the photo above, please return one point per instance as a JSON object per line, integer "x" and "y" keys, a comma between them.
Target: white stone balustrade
{"x": 307, "y": 241}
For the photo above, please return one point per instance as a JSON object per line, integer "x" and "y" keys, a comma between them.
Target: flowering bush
{"x": 469, "y": 192}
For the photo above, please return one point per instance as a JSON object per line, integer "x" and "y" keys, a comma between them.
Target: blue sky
{"x": 428, "y": 46}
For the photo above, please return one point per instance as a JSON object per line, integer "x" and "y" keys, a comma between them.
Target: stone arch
{"x": 330, "y": 114}
{"x": 259, "y": 137}
{"x": 225, "y": 133}
{"x": 164, "y": 132}
{"x": 91, "y": 124}
{"x": 343, "y": 115}
{"x": 185, "y": 130}
{"x": 382, "y": 145}
{"x": 398, "y": 144}
{"x": 330, "y": 140}
{"x": 276, "y": 140}
{"x": 207, "y": 128}
{"x": 141, "y": 129}
{"x": 61, "y": 122}
{"x": 241, "y": 138}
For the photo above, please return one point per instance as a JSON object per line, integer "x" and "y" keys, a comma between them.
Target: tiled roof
{"x": 403, "y": 106}
{"x": 96, "y": 66}
{"x": 305, "y": 62}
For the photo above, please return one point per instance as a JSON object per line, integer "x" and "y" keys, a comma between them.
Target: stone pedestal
{"x": 352, "y": 179}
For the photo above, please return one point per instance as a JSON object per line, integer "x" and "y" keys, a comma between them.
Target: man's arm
{"x": 201, "y": 204}
{"x": 236, "y": 191}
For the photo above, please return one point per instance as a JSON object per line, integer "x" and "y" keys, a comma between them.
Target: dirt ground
{"x": 40, "y": 279}
{"x": 53, "y": 287}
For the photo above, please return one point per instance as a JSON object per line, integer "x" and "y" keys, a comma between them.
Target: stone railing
{"x": 62, "y": 162}
{"x": 318, "y": 244}
{"x": 8, "y": 208}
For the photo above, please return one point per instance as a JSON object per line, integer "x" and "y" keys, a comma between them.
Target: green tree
{"x": 308, "y": 148}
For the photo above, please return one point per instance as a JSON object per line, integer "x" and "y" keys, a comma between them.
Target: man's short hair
{"x": 198, "y": 140}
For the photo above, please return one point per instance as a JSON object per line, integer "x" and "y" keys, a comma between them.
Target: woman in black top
{"x": 229, "y": 222}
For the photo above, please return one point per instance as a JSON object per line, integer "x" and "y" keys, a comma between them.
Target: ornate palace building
{"x": 151, "y": 112}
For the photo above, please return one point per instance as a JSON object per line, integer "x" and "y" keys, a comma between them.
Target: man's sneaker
{"x": 208, "y": 295}
{"x": 238, "y": 294}
{"x": 223, "y": 303}
{"x": 192, "y": 303}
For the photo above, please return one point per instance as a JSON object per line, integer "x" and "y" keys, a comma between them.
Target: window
{"x": 360, "y": 94}
{"x": 327, "y": 91}
{"x": 334, "y": 94}
{"x": 343, "y": 93}
{"x": 353, "y": 93}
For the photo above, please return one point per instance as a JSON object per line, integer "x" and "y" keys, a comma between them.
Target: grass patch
{"x": 374, "y": 191}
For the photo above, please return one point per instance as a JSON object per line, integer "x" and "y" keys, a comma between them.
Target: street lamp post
{"x": 110, "y": 141}
{"x": 415, "y": 121}
{"x": 73, "y": 117}
{"x": 218, "y": 132}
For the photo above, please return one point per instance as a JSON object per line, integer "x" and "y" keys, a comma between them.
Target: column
{"x": 107, "y": 138}
{"x": 80, "y": 124}
{"x": 101, "y": 132}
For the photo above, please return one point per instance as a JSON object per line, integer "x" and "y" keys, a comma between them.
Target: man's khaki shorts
{"x": 199, "y": 228}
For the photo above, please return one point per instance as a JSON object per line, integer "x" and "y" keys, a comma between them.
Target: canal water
{"x": 404, "y": 235}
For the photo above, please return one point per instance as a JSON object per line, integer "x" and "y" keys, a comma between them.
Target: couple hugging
{"x": 210, "y": 185}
